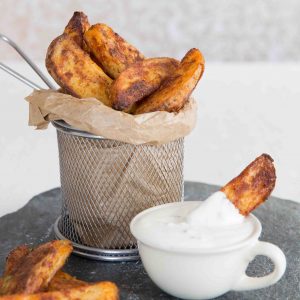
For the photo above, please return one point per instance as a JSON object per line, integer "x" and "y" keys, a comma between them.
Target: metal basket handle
{"x": 29, "y": 62}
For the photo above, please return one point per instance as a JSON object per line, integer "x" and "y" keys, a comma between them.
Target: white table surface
{"x": 244, "y": 110}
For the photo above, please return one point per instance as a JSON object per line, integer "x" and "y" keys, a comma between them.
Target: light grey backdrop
{"x": 224, "y": 30}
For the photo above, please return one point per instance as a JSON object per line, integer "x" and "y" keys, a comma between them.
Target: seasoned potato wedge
{"x": 253, "y": 186}
{"x": 98, "y": 291}
{"x": 140, "y": 80}
{"x": 175, "y": 91}
{"x": 62, "y": 281}
{"x": 110, "y": 50}
{"x": 14, "y": 259}
{"x": 74, "y": 70}
{"x": 76, "y": 27}
{"x": 36, "y": 269}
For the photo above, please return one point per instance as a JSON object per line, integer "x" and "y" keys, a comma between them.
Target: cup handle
{"x": 279, "y": 260}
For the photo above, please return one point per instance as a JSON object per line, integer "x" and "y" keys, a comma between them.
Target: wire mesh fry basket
{"x": 105, "y": 183}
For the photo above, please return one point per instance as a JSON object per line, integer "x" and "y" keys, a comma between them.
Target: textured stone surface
{"x": 33, "y": 224}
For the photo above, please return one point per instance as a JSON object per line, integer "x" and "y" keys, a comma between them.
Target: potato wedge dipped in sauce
{"x": 253, "y": 186}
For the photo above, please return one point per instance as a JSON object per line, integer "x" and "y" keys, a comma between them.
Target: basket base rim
{"x": 113, "y": 255}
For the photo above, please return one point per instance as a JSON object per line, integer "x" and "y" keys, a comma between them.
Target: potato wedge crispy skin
{"x": 63, "y": 281}
{"x": 74, "y": 70}
{"x": 76, "y": 27}
{"x": 253, "y": 186}
{"x": 175, "y": 91}
{"x": 14, "y": 259}
{"x": 98, "y": 291}
{"x": 37, "y": 268}
{"x": 110, "y": 50}
{"x": 140, "y": 80}
{"x": 60, "y": 281}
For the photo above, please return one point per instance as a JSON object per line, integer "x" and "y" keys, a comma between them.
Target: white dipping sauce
{"x": 191, "y": 225}
{"x": 215, "y": 211}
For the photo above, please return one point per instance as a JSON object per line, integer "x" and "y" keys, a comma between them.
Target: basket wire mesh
{"x": 105, "y": 183}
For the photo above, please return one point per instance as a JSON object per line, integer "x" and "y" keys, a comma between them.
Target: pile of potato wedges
{"x": 94, "y": 61}
{"x": 34, "y": 274}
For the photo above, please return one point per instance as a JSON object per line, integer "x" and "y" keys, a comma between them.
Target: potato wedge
{"x": 14, "y": 259}
{"x": 62, "y": 281}
{"x": 140, "y": 80}
{"x": 35, "y": 271}
{"x": 76, "y": 27}
{"x": 253, "y": 186}
{"x": 98, "y": 291}
{"x": 110, "y": 50}
{"x": 176, "y": 90}
{"x": 74, "y": 70}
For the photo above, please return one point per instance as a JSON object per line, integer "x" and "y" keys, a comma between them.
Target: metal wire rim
{"x": 112, "y": 255}
{"x": 64, "y": 127}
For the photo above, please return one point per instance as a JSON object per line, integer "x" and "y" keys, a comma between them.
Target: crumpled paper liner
{"x": 94, "y": 117}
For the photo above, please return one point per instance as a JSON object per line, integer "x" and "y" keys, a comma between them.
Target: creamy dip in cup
{"x": 192, "y": 251}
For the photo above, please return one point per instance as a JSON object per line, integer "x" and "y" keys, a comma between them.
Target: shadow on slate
{"x": 33, "y": 224}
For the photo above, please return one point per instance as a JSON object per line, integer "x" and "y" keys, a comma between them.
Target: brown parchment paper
{"x": 94, "y": 117}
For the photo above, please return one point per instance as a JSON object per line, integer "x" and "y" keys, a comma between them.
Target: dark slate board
{"x": 33, "y": 224}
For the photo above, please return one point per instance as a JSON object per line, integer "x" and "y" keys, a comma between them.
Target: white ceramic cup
{"x": 203, "y": 273}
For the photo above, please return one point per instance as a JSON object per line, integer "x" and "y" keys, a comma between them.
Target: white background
{"x": 247, "y": 106}
{"x": 243, "y": 111}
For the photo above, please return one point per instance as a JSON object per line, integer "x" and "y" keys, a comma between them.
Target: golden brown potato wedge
{"x": 98, "y": 291}
{"x": 110, "y": 50}
{"x": 176, "y": 90}
{"x": 63, "y": 281}
{"x": 253, "y": 186}
{"x": 15, "y": 258}
{"x": 74, "y": 70}
{"x": 76, "y": 27}
{"x": 36, "y": 269}
{"x": 60, "y": 281}
{"x": 140, "y": 80}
